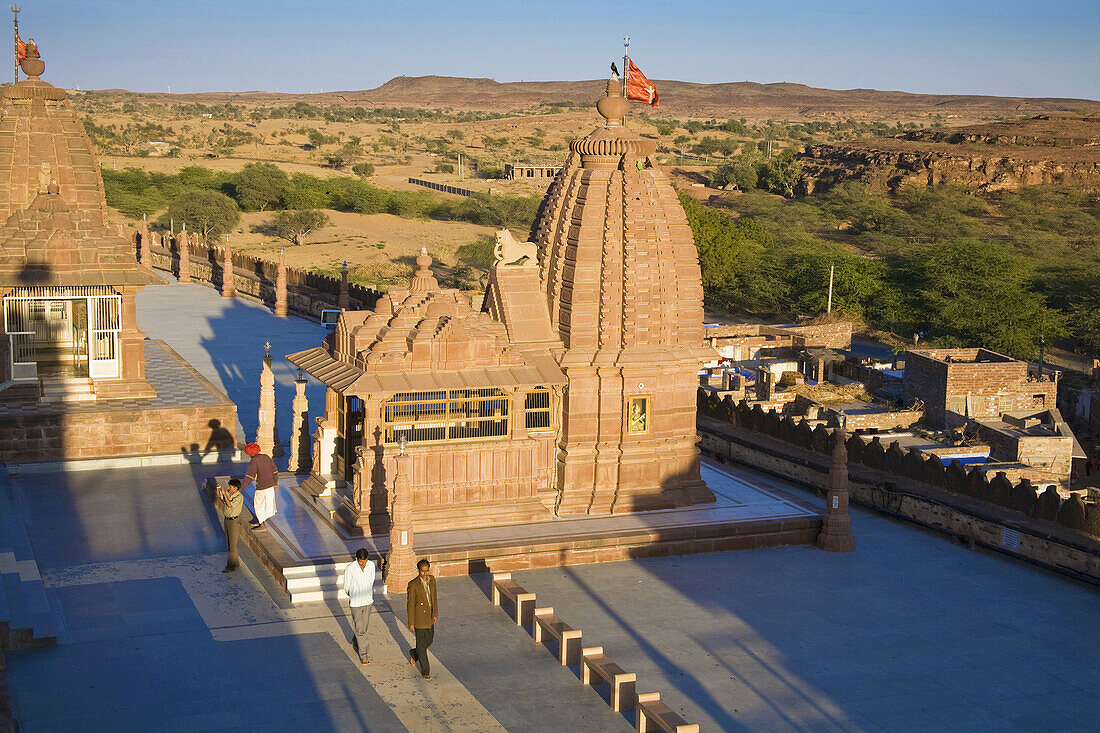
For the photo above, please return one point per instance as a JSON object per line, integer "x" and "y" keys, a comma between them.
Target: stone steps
{"x": 313, "y": 582}
{"x": 67, "y": 389}
{"x": 27, "y": 617}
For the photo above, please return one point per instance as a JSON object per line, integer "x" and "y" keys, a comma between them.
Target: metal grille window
{"x": 456, "y": 414}
{"x": 536, "y": 409}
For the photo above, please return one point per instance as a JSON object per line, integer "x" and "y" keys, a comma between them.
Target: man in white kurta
{"x": 359, "y": 585}
{"x": 262, "y": 471}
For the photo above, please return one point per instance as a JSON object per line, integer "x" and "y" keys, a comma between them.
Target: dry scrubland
{"x": 1021, "y": 204}
{"x": 534, "y": 124}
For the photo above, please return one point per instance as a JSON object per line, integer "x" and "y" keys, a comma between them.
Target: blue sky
{"x": 968, "y": 46}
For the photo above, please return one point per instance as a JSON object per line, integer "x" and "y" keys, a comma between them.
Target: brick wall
{"x": 976, "y": 382}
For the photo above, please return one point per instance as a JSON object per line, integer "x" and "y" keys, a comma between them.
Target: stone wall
{"x": 1062, "y": 536}
{"x": 60, "y": 435}
{"x": 913, "y": 465}
{"x": 882, "y": 420}
{"x": 307, "y": 293}
{"x": 973, "y": 382}
{"x": 835, "y": 335}
{"x": 445, "y": 188}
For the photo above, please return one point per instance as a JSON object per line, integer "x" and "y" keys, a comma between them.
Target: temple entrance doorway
{"x": 349, "y": 432}
{"x": 63, "y": 332}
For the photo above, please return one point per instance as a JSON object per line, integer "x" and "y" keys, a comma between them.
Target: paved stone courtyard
{"x": 908, "y": 633}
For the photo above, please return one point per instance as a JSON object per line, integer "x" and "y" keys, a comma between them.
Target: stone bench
{"x": 569, "y": 639}
{"x": 595, "y": 662}
{"x": 524, "y": 602}
{"x": 653, "y": 715}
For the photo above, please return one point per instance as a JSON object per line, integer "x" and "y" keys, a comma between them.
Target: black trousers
{"x": 424, "y": 639}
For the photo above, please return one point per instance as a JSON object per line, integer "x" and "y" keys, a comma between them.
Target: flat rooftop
{"x": 963, "y": 356}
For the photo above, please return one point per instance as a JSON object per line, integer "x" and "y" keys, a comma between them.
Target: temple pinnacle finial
{"x": 32, "y": 64}
{"x": 613, "y": 107}
{"x": 423, "y": 280}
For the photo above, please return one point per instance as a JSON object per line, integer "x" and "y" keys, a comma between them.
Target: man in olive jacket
{"x": 423, "y": 612}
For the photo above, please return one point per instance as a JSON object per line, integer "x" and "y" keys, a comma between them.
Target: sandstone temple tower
{"x": 622, "y": 281}
{"x": 572, "y": 391}
{"x": 67, "y": 280}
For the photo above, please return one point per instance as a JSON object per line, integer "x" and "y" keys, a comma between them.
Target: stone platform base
{"x": 305, "y": 550}
{"x": 188, "y": 418}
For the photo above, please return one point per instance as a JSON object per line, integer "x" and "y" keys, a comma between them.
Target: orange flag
{"x": 20, "y": 48}
{"x": 638, "y": 87}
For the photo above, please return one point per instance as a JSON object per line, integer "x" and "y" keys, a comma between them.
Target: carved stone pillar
{"x": 836, "y": 527}
{"x": 146, "y": 256}
{"x": 266, "y": 435}
{"x": 321, "y": 481}
{"x": 401, "y": 561}
{"x": 344, "y": 300}
{"x": 299, "y": 432}
{"x": 280, "y": 287}
{"x": 360, "y": 476}
{"x": 229, "y": 288}
{"x": 183, "y": 244}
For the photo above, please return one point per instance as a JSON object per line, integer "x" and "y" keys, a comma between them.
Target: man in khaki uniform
{"x": 232, "y": 503}
{"x": 423, "y": 613}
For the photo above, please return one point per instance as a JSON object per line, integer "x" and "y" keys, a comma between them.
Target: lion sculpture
{"x": 510, "y": 252}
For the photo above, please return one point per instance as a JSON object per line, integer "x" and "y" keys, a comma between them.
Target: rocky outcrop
{"x": 998, "y": 156}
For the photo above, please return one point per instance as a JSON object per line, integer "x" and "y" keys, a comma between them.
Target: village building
{"x": 973, "y": 383}
{"x": 571, "y": 392}
{"x": 522, "y": 170}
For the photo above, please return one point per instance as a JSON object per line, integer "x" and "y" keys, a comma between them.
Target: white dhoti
{"x": 264, "y": 504}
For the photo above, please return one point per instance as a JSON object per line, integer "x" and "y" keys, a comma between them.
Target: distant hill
{"x": 785, "y": 100}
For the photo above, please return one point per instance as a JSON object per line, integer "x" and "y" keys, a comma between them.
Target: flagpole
{"x": 626, "y": 63}
{"x": 15, "y": 23}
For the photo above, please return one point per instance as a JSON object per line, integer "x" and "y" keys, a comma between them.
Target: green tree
{"x": 729, "y": 254}
{"x": 743, "y": 172}
{"x": 294, "y": 225}
{"x": 260, "y": 185}
{"x": 364, "y": 170}
{"x": 971, "y": 292}
{"x": 781, "y": 174}
{"x": 306, "y": 192}
{"x": 317, "y": 138}
{"x": 209, "y": 212}
{"x": 862, "y": 208}
{"x": 345, "y": 155}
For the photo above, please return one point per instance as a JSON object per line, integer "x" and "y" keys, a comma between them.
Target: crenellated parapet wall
{"x": 1012, "y": 487}
{"x": 308, "y": 293}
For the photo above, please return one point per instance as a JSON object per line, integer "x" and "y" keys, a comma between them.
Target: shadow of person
{"x": 192, "y": 454}
{"x": 220, "y": 440}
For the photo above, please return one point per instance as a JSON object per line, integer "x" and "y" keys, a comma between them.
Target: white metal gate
{"x": 85, "y": 319}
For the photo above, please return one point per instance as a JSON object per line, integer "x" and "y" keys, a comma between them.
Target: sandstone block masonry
{"x": 975, "y": 383}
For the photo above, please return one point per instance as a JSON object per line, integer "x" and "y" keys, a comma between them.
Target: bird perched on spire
{"x": 614, "y": 69}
